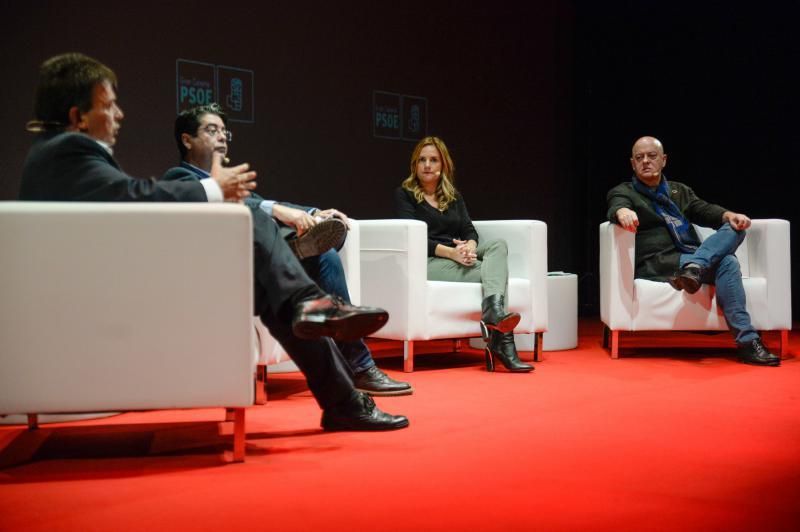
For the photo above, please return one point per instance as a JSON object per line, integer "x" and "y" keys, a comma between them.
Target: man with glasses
{"x": 77, "y": 120}
{"x": 661, "y": 213}
{"x": 310, "y": 236}
{"x": 201, "y": 133}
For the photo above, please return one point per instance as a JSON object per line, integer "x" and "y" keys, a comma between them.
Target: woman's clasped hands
{"x": 464, "y": 252}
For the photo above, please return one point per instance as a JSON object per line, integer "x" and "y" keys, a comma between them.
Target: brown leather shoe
{"x": 331, "y": 316}
{"x": 687, "y": 278}
{"x": 375, "y": 382}
{"x": 327, "y": 234}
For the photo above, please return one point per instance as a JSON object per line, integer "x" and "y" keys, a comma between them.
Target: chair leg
{"x": 408, "y": 356}
{"x": 784, "y": 349}
{"x": 614, "y": 344}
{"x": 261, "y": 384}
{"x": 606, "y": 331}
{"x": 238, "y": 433}
{"x": 538, "y": 340}
{"x": 456, "y": 345}
{"x": 33, "y": 421}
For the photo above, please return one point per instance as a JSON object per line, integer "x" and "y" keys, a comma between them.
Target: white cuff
{"x": 213, "y": 190}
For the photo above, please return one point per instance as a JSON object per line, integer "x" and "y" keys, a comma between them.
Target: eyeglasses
{"x": 214, "y": 130}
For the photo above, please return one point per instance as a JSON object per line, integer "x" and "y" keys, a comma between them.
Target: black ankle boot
{"x": 494, "y": 316}
{"x": 501, "y": 345}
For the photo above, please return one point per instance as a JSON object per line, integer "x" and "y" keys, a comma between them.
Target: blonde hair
{"x": 445, "y": 189}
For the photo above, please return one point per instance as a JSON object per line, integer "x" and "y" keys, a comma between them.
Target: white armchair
{"x": 119, "y": 307}
{"x": 628, "y": 304}
{"x": 394, "y": 276}
{"x": 270, "y": 352}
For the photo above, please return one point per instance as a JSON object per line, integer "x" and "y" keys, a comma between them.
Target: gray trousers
{"x": 491, "y": 269}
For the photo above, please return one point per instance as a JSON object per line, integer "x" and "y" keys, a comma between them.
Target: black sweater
{"x": 443, "y": 227}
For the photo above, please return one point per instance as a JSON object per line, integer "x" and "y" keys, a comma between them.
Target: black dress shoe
{"x": 331, "y": 316}
{"x": 360, "y": 413}
{"x": 755, "y": 353}
{"x": 327, "y": 234}
{"x": 687, "y": 278}
{"x": 375, "y": 382}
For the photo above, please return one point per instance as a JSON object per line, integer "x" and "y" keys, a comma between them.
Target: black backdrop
{"x": 538, "y": 103}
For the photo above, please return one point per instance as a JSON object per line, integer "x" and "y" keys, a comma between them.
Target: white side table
{"x": 562, "y": 312}
{"x": 562, "y": 316}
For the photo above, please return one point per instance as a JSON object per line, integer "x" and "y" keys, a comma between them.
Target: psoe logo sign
{"x": 235, "y": 89}
{"x": 415, "y": 117}
{"x": 196, "y": 83}
{"x": 232, "y": 88}
{"x": 386, "y": 113}
{"x": 399, "y": 116}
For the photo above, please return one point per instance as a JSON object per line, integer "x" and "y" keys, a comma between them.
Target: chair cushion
{"x": 450, "y": 303}
{"x": 658, "y": 306}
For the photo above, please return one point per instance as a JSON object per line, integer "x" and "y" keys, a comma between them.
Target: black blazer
{"x": 74, "y": 167}
{"x": 656, "y": 255}
{"x": 185, "y": 172}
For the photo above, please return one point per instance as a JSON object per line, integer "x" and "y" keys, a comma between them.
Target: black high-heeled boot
{"x": 494, "y": 317}
{"x": 501, "y": 345}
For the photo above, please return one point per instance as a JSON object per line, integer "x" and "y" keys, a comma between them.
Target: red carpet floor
{"x": 675, "y": 436}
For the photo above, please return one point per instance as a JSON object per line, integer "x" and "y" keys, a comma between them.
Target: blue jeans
{"x": 719, "y": 266}
{"x": 327, "y": 271}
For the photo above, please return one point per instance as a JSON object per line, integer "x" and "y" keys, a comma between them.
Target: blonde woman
{"x": 454, "y": 251}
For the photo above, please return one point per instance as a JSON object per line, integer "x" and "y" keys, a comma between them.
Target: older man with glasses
{"x": 661, "y": 213}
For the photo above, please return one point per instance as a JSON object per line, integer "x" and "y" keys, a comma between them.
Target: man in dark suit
{"x": 78, "y": 119}
{"x": 201, "y": 133}
{"x": 661, "y": 213}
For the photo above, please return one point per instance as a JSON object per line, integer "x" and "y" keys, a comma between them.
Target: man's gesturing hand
{"x": 236, "y": 182}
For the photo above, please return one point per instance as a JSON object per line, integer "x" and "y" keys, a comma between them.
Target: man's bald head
{"x": 648, "y": 159}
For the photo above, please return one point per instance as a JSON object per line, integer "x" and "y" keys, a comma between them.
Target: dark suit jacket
{"x": 186, "y": 172}
{"x": 74, "y": 167}
{"x": 656, "y": 255}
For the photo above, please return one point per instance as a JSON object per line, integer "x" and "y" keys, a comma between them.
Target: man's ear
{"x": 186, "y": 140}
{"x": 76, "y": 121}
{"x": 665, "y": 160}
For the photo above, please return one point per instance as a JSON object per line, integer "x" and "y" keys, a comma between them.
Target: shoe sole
{"x": 393, "y": 393}
{"x": 328, "y": 234}
{"x": 369, "y": 428}
{"x": 766, "y": 364}
{"x": 683, "y": 283}
{"x": 344, "y": 329}
{"x": 505, "y": 325}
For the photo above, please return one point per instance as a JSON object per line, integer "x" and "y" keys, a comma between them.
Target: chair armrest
{"x": 351, "y": 261}
{"x": 120, "y": 306}
{"x": 394, "y": 273}
{"x": 617, "y": 268}
{"x": 768, "y": 246}
{"x": 527, "y": 257}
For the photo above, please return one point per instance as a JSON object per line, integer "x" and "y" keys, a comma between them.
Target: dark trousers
{"x": 328, "y": 272}
{"x": 280, "y": 283}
